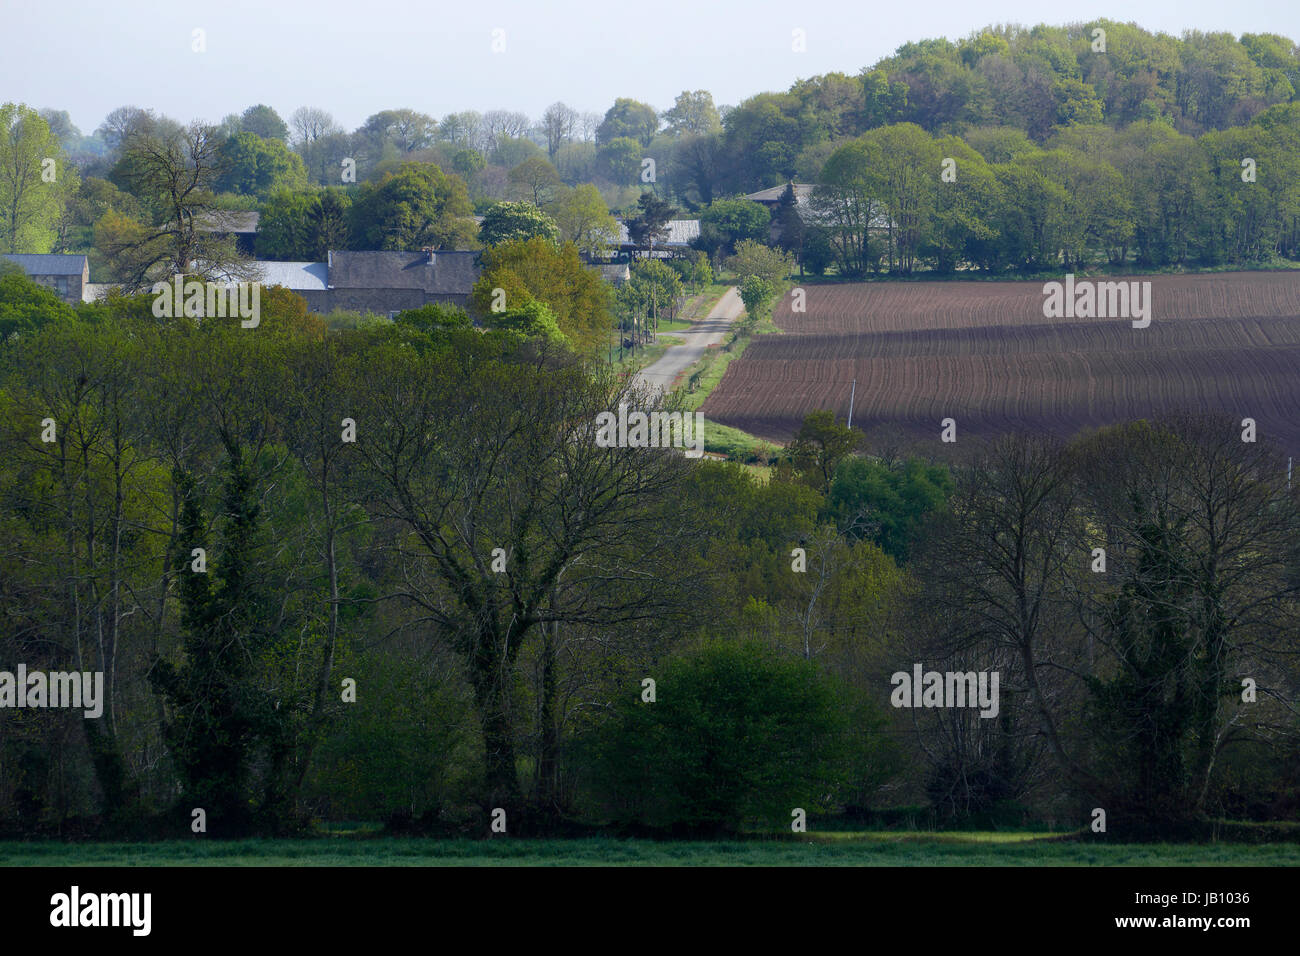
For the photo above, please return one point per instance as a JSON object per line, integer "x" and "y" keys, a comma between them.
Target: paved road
{"x": 695, "y": 342}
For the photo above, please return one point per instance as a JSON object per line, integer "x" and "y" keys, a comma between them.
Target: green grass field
{"x": 824, "y": 849}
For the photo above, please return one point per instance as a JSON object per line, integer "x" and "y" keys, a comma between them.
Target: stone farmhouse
{"x": 67, "y": 276}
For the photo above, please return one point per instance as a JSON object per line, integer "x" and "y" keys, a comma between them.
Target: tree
{"x": 484, "y": 454}
{"x": 530, "y": 320}
{"x": 727, "y": 222}
{"x": 94, "y": 198}
{"x": 1199, "y": 530}
{"x": 693, "y": 269}
{"x": 436, "y": 317}
{"x": 996, "y": 568}
{"x": 26, "y": 305}
{"x": 764, "y": 262}
{"x": 404, "y": 130}
{"x": 310, "y": 123}
{"x": 127, "y": 120}
{"x": 737, "y": 735}
{"x": 174, "y": 178}
{"x": 584, "y": 220}
{"x": 516, "y": 221}
{"x": 463, "y": 129}
{"x": 650, "y": 225}
{"x": 756, "y": 293}
{"x": 652, "y": 290}
{"x": 628, "y": 118}
{"x": 31, "y": 204}
{"x": 693, "y": 113}
{"x": 62, "y": 127}
{"x": 257, "y": 167}
{"x": 535, "y": 180}
{"x": 889, "y": 505}
{"x": 320, "y": 142}
{"x": 819, "y": 446}
{"x": 787, "y": 223}
{"x": 501, "y": 125}
{"x": 417, "y": 206}
{"x": 261, "y": 120}
{"x": 556, "y": 276}
{"x": 846, "y": 205}
{"x": 558, "y": 123}
{"x": 284, "y": 230}
{"x": 512, "y": 151}
{"x": 329, "y": 222}
{"x": 620, "y": 159}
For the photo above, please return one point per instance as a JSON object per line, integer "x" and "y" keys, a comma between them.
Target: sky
{"x": 356, "y": 57}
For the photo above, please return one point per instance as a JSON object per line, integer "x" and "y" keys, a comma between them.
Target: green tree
{"x": 584, "y": 220}
{"x": 650, "y": 225}
{"x": 414, "y": 207}
{"x": 536, "y": 181}
{"x": 727, "y": 222}
{"x": 756, "y": 292}
{"x": 31, "y": 202}
{"x": 173, "y": 175}
{"x": 693, "y": 114}
{"x": 516, "y": 221}
{"x": 257, "y": 167}
{"x": 538, "y": 269}
{"x": 620, "y": 159}
{"x": 532, "y": 319}
{"x": 284, "y": 230}
{"x": 764, "y": 262}
{"x": 738, "y": 735}
{"x": 887, "y": 505}
{"x": 819, "y": 446}
{"x": 628, "y": 118}
{"x": 261, "y": 120}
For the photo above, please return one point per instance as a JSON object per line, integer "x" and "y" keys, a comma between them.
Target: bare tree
{"x": 996, "y": 568}
{"x": 558, "y": 123}
{"x": 503, "y": 124}
{"x": 587, "y": 124}
{"x": 310, "y": 124}
{"x": 174, "y": 176}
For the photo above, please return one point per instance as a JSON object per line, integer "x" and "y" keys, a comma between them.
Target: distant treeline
{"x": 1086, "y": 143}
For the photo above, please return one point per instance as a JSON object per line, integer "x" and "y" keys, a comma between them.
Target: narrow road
{"x": 695, "y": 342}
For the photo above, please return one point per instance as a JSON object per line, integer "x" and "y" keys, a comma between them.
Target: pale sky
{"x": 355, "y": 57}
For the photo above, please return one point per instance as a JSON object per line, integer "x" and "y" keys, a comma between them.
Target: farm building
{"x": 378, "y": 282}
{"x": 67, "y": 276}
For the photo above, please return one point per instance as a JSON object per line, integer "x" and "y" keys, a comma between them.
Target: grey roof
{"x": 437, "y": 273}
{"x": 680, "y": 232}
{"x": 298, "y": 276}
{"x": 801, "y": 191}
{"x": 44, "y": 264}
{"x": 229, "y": 220}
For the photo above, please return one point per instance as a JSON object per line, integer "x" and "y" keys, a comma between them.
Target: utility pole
{"x": 852, "y": 395}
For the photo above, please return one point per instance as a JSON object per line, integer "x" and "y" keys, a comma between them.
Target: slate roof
{"x": 438, "y": 273}
{"x": 45, "y": 264}
{"x": 801, "y": 192}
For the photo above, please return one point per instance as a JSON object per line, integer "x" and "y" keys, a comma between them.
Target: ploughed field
{"x": 984, "y": 354}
